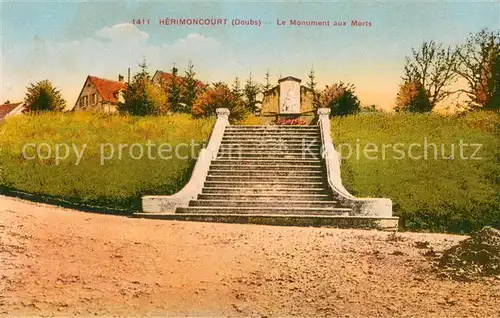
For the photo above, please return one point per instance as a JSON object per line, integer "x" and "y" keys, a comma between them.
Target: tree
{"x": 311, "y": 84}
{"x": 191, "y": 90}
{"x": 142, "y": 97}
{"x": 433, "y": 68}
{"x": 219, "y": 96}
{"x": 341, "y": 99}
{"x": 42, "y": 96}
{"x": 236, "y": 88}
{"x": 479, "y": 66}
{"x": 173, "y": 89}
{"x": 250, "y": 92}
{"x": 413, "y": 98}
{"x": 267, "y": 77}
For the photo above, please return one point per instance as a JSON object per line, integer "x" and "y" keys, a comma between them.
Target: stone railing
{"x": 360, "y": 206}
{"x": 168, "y": 204}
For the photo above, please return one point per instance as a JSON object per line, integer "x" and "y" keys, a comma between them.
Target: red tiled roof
{"x": 167, "y": 78}
{"x": 5, "y": 109}
{"x": 108, "y": 89}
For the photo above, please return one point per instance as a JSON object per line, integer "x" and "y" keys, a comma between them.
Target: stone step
{"x": 257, "y": 149}
{"x": 264, "y": 178}
{"x": 264, "y": 184}
{"x": 266, "y": 197}
{"x": 268, "y": 142}
{"x": 265, "y": 173}
{"x": 270, "y": 147}
{"x": 348, "y": 222}
{"x": 267, "y": 155}
{"x": 274, "y": 191}
{"x": 270, "y": 135}
{"x": 264, "y": 203}
{"x": 266, "y": 162}
{"x": 263, "y": 139}
{"x": 266, "y": 210}
{"x": 217, "y": 166}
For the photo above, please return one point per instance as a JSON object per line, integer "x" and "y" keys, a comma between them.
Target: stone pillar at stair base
{"x": 168, "y": 203}
{"x": 360, "y": 206}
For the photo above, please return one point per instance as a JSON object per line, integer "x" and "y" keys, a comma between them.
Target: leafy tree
{"x": 42, "y": 96}
{"x": 479, "y": 66}
{"x": 219, "y": 96}
{"x": 341, "y": 99}
{"x": 250, "y": 92}
{"x": 142, "y": 97}
{"x": 191, "y": 90}
{"x": 413, "y": 98}
{"x": 433, "y": 68}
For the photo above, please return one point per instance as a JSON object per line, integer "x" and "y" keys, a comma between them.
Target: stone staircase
{"x": 279, "y": 175}
{"x": 267, "y": 170}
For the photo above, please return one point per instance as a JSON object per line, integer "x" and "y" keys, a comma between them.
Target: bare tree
{"x": 479, "y": 65}
{"x": 433, "y": 67}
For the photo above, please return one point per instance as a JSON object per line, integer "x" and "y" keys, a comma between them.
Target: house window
{"x": 94, "y": 99}
{"x": 84, "y": 101}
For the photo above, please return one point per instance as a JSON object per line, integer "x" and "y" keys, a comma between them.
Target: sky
{"x": 65, "y": 41}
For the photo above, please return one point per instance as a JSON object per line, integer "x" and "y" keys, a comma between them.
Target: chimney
{"x": 120, "y": 78}
{"x": 128, "y": 80}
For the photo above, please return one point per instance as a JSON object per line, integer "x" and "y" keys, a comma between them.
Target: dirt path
{"x": 60, "y": 262}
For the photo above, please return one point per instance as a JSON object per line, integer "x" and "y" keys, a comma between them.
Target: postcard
{"x": 250, "y": 158}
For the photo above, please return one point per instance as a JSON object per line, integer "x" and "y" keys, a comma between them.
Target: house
{"x": 101, "y": 94}
{"x": 288, "y": 99}
{"x": 10, "y": 109}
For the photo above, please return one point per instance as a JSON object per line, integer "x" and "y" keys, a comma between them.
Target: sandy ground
{"x": 60, "y": 262}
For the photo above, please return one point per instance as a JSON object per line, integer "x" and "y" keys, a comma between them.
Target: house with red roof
{"x": 101, "y": 94}
{"x": 10, "y": 109}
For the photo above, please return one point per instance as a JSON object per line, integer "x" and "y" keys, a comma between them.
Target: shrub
{"x": 219, "y": 96}
{"x": 143, "y": 98}
{"x": 412, "y": 98}
{"x": 341, "y": 99}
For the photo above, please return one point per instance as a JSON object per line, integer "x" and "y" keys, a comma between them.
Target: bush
{"x": 412, "y": 98}
{"x": 341, "y": 99}
{"x": 219, "y": 96}
{"x": 117, "y": 183}
{"x": 436, "y": 195}
{"x": 143, "y": 97}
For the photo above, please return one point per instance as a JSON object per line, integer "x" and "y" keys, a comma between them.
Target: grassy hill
{"x": 455, "y": 195}
{"x": 117, "y": 183}
{"x": 428, "y": 191}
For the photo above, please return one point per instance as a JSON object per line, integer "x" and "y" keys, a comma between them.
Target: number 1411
{"x": 140, "y": 21}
